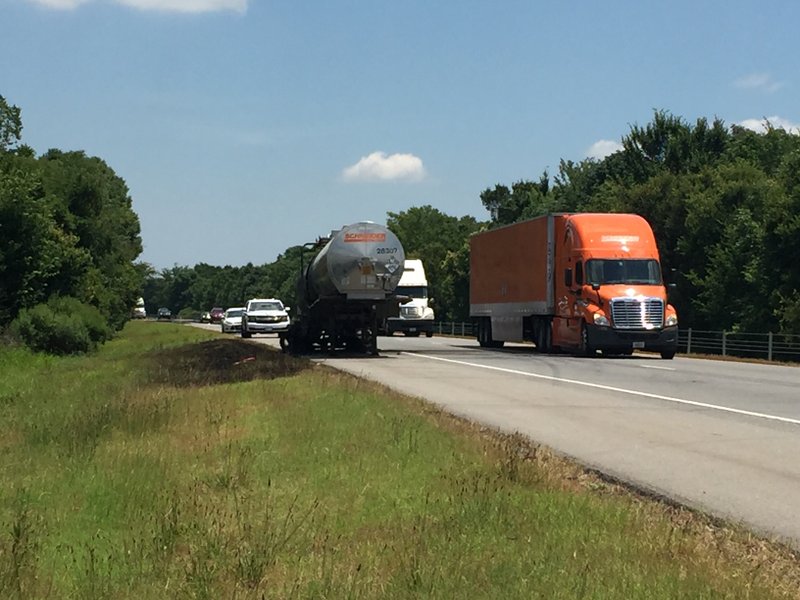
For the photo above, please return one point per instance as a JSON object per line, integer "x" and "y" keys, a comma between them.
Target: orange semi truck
{"x": 583, "y": 282}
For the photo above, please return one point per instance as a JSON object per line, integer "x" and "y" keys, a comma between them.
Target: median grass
{"x": 178, "y": 464}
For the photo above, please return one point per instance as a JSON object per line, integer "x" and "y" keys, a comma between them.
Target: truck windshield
{"x": 644, "y": 271}
{"x": 415, "y": 291}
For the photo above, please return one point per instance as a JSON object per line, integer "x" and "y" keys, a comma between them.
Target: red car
{"x": 217, "y": 314}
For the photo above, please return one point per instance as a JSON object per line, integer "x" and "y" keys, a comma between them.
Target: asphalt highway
{"x": 722, "y": 437}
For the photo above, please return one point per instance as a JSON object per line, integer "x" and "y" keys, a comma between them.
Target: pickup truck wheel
{"x": 245, "y": 334}
{"x": 668, "y": 354}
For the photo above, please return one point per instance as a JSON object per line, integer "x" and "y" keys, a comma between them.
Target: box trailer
{"x": 583, "y": 282}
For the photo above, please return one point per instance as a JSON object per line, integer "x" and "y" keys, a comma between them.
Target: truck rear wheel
{"x": 485, "y": 338}
{"x": 668, "y": 354}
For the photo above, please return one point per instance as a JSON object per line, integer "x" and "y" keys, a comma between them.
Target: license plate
{"x": 412, "y": 329}
{"x": 638, "y": 344}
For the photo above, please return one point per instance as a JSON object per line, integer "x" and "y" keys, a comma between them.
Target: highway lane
{"x": 722, "y": 437}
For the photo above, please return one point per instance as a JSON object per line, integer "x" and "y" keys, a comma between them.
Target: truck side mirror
{"x": 568, "y": 277}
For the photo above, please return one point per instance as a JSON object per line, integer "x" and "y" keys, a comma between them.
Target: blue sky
{"x": 243, "y": 127}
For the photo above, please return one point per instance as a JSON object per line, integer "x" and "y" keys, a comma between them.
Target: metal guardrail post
{"x": 689, "y": 341}
{"x": 769, "y": 346}
{"x": 724, "y": 343}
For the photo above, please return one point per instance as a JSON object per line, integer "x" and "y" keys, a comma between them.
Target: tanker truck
{"x": 584, "y": 283}
{"x": 346, "y": 290}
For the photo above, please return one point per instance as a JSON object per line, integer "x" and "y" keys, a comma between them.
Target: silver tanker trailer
{"x": 346, "y": 290}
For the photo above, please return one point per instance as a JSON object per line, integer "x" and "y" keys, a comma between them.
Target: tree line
{"x": 723, "y": 201}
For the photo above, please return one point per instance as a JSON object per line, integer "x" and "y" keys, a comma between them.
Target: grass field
{"x": 177, "y": 464}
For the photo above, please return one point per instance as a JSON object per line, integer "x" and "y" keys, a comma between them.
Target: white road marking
{"x": 609, "y": 388}
{"x": 659, "y": 368}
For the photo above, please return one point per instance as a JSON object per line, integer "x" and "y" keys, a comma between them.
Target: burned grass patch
{"x": 220, "y": 361}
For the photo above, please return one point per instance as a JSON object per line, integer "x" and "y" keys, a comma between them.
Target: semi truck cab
{"x": 416, "y": 313}
{"x": 583, "y": 282}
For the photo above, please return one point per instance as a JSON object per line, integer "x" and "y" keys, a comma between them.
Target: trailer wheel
{"x": 483, "y": 326}
{"x": 544, "y": 339}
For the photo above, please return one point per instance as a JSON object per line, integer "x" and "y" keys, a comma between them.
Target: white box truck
{"x": 416, "y": 315}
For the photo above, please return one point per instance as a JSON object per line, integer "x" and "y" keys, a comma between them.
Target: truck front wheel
{"x": 585, "y": 347}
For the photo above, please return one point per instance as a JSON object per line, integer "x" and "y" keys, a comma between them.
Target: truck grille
{"x": 637, "y": 313}
{"x": 410, "y": 311}
{"x": 267, "y": 319}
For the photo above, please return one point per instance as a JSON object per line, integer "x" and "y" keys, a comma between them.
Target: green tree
{"x": 37, "y": 258}
{"x": 92, "y": 203}
{"x": 525, "y": 200}
{"x": 10, "y": 125}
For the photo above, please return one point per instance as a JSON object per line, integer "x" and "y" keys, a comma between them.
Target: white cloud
{"x": 602, "y": 148}
{"x": 182, "y": 6}
{"x": 760, "y": 125}
{"x": 379, "y": 166}
{"x": 758, "y": 81}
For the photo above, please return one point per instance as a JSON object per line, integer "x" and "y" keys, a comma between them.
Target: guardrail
{"x": 769, "y": 346}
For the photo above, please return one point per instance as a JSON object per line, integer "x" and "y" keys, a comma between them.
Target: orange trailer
{"x": 583, "y": 282}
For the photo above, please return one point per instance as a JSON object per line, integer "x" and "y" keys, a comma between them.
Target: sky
{"x": 245, "y": 127}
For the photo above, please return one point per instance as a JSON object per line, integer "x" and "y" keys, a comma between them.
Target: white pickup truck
{"x": 264, "y": 315}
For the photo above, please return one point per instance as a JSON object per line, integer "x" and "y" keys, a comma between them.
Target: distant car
{"x": 264, "y": 315}
{"x": 232, "y": 320}
{"x": 205, "y": 317}
{"x": 164, "y": 314}
{"x": 217, "y": 313}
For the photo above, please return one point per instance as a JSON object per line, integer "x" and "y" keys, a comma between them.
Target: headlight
{"x": 672, "y": 320}
{"x": 600, "y": 319}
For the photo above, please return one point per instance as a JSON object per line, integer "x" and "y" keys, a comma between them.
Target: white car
{"x": 232, "y": 320}
{"x": 264, "y": 315}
